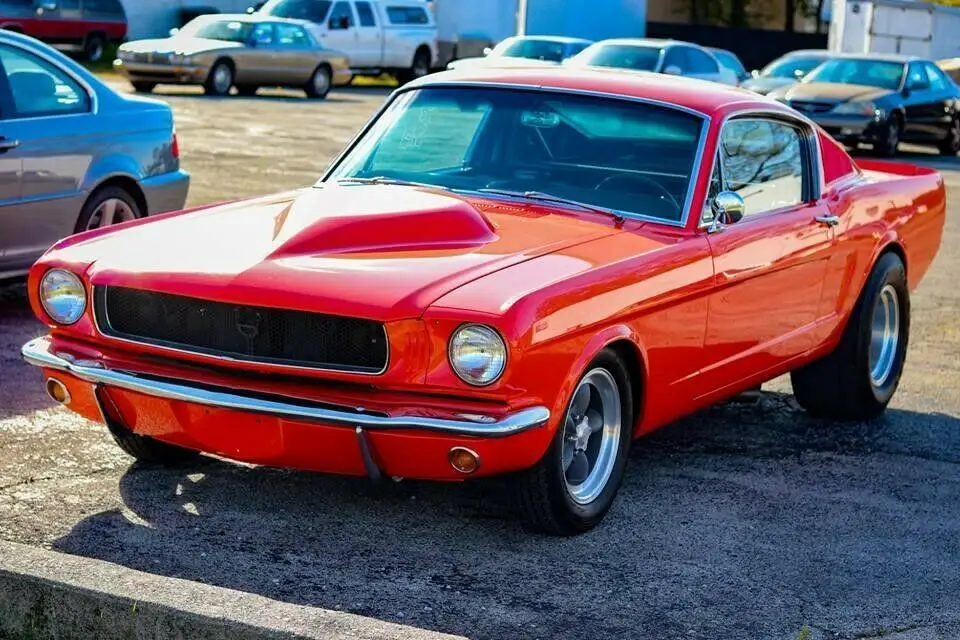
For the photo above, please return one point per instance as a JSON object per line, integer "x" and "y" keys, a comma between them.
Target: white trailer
{"x": 910, "y": 27}
{"x": 466, "y": 27}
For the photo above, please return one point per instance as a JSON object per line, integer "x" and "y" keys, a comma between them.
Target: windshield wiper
{"x": 540, "y": 196}
{"x": 390, "y": 181}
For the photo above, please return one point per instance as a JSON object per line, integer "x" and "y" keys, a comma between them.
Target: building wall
{"x": 765, "y": 14}
{"x": 155, "y": 18}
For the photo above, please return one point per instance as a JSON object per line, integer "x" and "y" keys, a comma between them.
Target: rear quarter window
{"x": 407, "y": 15}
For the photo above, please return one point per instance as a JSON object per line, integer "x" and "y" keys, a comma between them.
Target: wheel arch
{"x": 128, "y": 184}
{"x": 624, "y": 341}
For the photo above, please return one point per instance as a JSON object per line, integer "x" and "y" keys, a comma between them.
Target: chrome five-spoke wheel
{"x": 885, "y": 335}
{"x": 111, "y": 211}
{"x": 591, "y": 436}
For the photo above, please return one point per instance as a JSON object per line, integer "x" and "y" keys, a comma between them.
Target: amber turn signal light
{"x": 58, "y": 391}
{"x": 464, "y": 460}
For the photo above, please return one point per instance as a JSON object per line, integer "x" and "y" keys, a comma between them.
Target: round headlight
{"x": 62, "y": 296}
{"x": 477, "y": 354}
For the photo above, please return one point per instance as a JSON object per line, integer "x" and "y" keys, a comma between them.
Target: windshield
{"x": 622, "y": 56}
{"x": 730, "y": 61}
{"x": 628, "y": 156}
{"x": 313, "y": 10}
{"x": 529, "y": 48}
{"x": 228, "y": 30}
{"x": 870, "y": 73}
{"x": 792, "y": 66}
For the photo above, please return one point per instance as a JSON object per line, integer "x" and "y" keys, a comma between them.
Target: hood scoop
{"x": 377, "y": 219}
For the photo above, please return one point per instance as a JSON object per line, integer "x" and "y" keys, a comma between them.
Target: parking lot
{"x": 745, "y": 521}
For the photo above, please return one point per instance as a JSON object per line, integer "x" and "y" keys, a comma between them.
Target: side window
{"x": 262, "y": 34}
{"x": 342, "y": 16}
{"x": 676, "y": 57}
{"x": 700, "y": 62}
{"x": 938, "y": 82}
{"x": 763, "y": 162}
{"x": 292, "y": 36}
{"x": 917, "y": 78}
{"x": 39, "y": 88}
{"x": 365, "y": 13}
{"x": 407, "y": 15}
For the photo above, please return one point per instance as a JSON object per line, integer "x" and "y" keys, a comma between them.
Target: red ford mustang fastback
{"x": 507, "y": 272}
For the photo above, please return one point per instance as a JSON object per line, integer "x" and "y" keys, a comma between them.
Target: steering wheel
{"x": 655, "y": 187}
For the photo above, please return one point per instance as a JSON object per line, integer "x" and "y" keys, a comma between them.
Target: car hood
{"x": 179, "y": 45}
{"x": 831, "y": 92}
{"x": 766, "y": 84}
{"x": 378, "y": 252}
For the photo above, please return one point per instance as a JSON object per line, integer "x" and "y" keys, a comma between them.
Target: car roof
{"x": 702, "y": 96}
{"x": 644, "y": 42}
{"x": 809, "y": 52}
{"x": 254, "y": 18}
{"x": 559, "y": 39}
{"x": 880, "y": 57}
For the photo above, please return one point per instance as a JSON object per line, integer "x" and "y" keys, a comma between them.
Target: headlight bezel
{"x": 459, "y": 371}
{"x": 46, "y": 299}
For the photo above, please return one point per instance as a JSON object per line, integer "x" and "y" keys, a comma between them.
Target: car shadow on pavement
{"x": 747, "y": 520}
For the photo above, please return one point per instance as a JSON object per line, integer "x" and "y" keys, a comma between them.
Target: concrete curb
{"x": 45, "y": 594}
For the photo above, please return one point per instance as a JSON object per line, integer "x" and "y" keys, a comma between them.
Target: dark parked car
{"x": 74, "y": 154}
{"x": 785, "y": 71}
{"x": 881, "y": 100}
{"x": 72, "y": 25}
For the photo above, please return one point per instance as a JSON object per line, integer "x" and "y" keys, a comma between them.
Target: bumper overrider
{"x": 279, "y": 430}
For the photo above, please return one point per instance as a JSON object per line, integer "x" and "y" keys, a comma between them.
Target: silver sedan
{"x": 74, "y": 154}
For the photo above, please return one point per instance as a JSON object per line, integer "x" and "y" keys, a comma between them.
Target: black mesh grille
{"x": 812, "y": 107}
{"x": 260, "y": 334}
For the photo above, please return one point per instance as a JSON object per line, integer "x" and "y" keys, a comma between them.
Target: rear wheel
{"x": 889, "y": 138}
{"x": 572, "y": 487}
{"x": 857, "y": 380}
{"x": 220, "y": 79}
{"x": 247, "y": 90}
{"x": 419, "y": 68}
{"x": 950, "y": 145}
{"x": 320, "y": 82}
{"x": 144, "y": 87}
{"x": 108, "y": 206}
{"x": 94, "y": 47}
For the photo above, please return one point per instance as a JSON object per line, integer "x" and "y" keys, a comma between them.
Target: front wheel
{"x": 888, "y": 140}
{"x": 94, "y": 47}
{"x": 144, "y": 87}
{"x": 220, "y": 80}
{"x": 857, "y": 380}
{"x": 320, "y": 82}
{"x": 572, "y": 487}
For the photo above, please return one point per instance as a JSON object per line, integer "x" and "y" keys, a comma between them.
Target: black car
{"x": 880, "y": 100}
{"x": 785, "y": 70}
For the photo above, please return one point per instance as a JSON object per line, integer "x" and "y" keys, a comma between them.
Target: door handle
{"x": 828, "y": 220}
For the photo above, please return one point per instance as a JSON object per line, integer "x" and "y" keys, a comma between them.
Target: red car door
{"x": 769, "y": 267}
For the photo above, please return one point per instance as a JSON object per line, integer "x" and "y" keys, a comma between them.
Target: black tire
{"x": 840, "y": 386}
{"x": 143, "y": 87}
{"x": 419, "y": 68}
{"x": 950, "y": 145}
{"x": 217, "y": 85}
{"x": 101, "y": 195}
{"x": 543, "y": 501}
{"x": 94, "y": 47}
{"x": 247, "y": 90}
{"x": 150, "y": 450}
{"x": 889, "y": 138}
{"x": 320, "y": 83}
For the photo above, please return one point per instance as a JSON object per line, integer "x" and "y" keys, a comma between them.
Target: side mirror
{"x": 673, "y": 70}
{"x": 486, "y": 51}
{"x": 174, "y": 32}
{"x": 755, "y": 73}
{"x": 906, "y": 92}
{"x": 728, "y": 208}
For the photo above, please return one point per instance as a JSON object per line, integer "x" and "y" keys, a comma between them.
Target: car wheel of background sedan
{"x": 320, "y": 83}
{"x": 859, "y": 378}
{"x": 108, "y": 206}
{"x": 94, "y": 47}
{"x": 951, "y": 144}
{"x": 144, "y": 87}
{"x": 889, "y": 138}
{"x": 220, "y": 79}
{"x": 572, "y": 487}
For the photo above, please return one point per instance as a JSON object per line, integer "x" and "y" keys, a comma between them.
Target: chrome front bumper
{"x": 38, "y": 352}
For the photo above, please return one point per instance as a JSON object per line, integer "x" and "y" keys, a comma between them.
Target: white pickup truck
{"x": 377, "y": 36}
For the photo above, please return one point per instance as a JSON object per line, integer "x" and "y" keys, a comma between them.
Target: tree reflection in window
{"x": 762, "y": 162}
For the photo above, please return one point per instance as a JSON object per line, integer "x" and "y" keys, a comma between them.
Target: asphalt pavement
{"x": 744, "y": 521}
